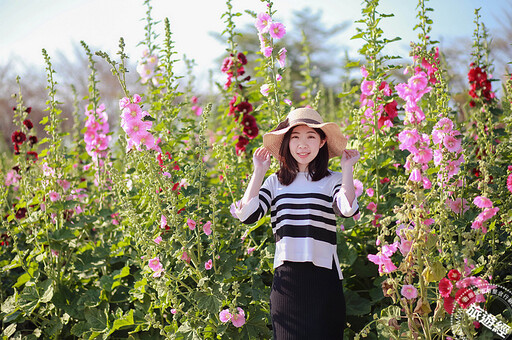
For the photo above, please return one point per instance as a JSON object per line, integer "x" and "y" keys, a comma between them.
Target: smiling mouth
{"x": 303, "y": 154}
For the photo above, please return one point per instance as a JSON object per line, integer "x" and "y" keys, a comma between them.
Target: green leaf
{"x": 9, "y": 331}
{"x": 208, "y": 301}
{"x": 356, "y": 305}
{"x": 97, "y": 319}
{"x": 44, "y": 120}
{"x": 126, "y": 320}
{"x": 124, "y": 272}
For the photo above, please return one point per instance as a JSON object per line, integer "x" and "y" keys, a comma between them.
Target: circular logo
{"x": 483, "y": 310}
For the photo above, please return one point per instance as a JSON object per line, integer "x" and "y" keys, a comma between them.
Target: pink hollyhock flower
{"x": 173, "y": 311}
{"x": 208, "y": 264}
{"x": 458, "y": 205}
{"x": 438, "y": 157}
{"x": 487, "y": 213}
{"x": 265, "y": 89}
{"x": 250, "y": 250}
{"x": 12, "y": 177}
{"x": 423, "y": 156}
{"x": 281, "y": 57}
{"x": 364, "y": 72}
{"x": 54, "y": 196}
{"x": 225, "y": 315}
{"x": 155, "y": 264}
{"x": 509, "y": 183}
{"x": 163, "y": 221}
{"x": 482, "y": 202}
{"x": 444, "y": 125}
{"x": 452, "y": 144}
{"x": 146, "y": 139}
{"x": 64, "y": 184}
{"x": 405, "y": 246}
{"x": 478, "y": 224}
{"x": 426, "y": 183}
{"x": 409, "y": 292}
{"x": 238, "y": 319}
{"x": 370, "y": 192}
{"x": 358, "y": 185}
{"x": 385, "y": 264}
{"x": 276, "y": 30}
{"x": 267, "y": 52}
{"x": 289, "y": 102}
{"x": 372, "y": 206}
{"x": 415, "y": 175}
{"x": 263, "y": 21}
{"x": 367, "y": 87}
{"x": 136, "y": 99}
{"x": 279, "y": 78}
{"x": 207, "y": 228}
{"x": 123, "y": 102}
{"x": 136, "y": 128}
{"x": 191, "y": 224}
{"x": 185, "y": 257}
{"x": 389, "y": 249}
{"x": 445, "y": 287}
{"x": 158, "y": 240}
{"x": 408, "y": 138}
{"x": 452, "y": 168}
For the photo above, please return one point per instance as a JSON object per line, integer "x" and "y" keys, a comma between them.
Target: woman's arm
{"x": 261, "y": 161}
{"x": 348, "y": 159}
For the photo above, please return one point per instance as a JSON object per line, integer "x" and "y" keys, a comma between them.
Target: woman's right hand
{"x": 261, "y": 159}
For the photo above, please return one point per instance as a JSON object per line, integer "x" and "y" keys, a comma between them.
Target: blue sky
{"x": 27, "y": 26}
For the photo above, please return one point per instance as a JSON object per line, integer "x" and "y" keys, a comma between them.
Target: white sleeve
{"x": 341, "y": 202}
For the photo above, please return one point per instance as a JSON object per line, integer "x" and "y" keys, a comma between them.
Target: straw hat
{"x": 336, "y": 142}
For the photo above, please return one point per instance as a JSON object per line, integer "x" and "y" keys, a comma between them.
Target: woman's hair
{"x": 317, "y": 169}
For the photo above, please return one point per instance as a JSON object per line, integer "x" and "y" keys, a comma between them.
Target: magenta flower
{"x": 265, "y": 89}
{"x": 509, "y": 183}
{"x": 163, "y": 221}
{"x": 408, "y": 138}
{"x": 444, "y": 125}
{"x": 458, "y": 205}
{"x": 452, "y": 144}
{"x": 185, "y": 257}
{"x": 136, "y": 128}
{"x": 131, "y": 112}
{"x": 158, "y": 240}
{"x": 427, "y": 184}
{"x": 372, "y": 206}
{"x": 276, "y": 30}
{"x": 415, "y": 175}
{"x": 225, "y": 315}
{"x": 358, "y": 185}
{"x": 281, "y": 57}
{"x": 389, "y": 249}
{"x": 238, "y": 319}
{"x": 155, "y": 264}
{"x": 367, "y": 87}
{"x": 370, "y": 192}
{"x": 54, "y": 196}
{"x": 191, "y": 224}
{"x": 64, "y": 184}
{"x": 487, "y": 213}
{"x": 250, "y": 250}
{"x": 482, "y": 202}
{"x": 385, "y": 264}
{"x": 262, "y": 23}
{"x": 405, "y": 246}
{"x": 445, "y": 287}
{"x": 207, "y": 228}
{"x": 423, "y": 156}
{"x": 409, "y": 292}
{"x": 208, "y": 264}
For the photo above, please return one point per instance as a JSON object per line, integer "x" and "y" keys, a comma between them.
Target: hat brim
{"x": 336, "y": 142}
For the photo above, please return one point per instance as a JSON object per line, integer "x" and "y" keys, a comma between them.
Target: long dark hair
{"x": 317, "y": 169}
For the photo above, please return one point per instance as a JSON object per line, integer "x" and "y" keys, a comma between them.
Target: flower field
{"x": 122, "y": 226}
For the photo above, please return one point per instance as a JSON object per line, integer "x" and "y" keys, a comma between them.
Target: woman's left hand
{"x": 349, "y": 157}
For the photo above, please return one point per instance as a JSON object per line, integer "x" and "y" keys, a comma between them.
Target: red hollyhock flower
{"x": 28, "y": 124}
{"x": 240, "y": 145}
{"x": 250, "y": 127}
{"x": 28, "y": 110}
{"x": 232, "y": 106}
{"x": 465, "y": 297}
{"x": 32, "y": 140}
{"x": 21, "y": 213}
{"x": 16, "y": 149}
{"x": 449, "y": 304}
{"x": 244, "y": 107}
{"x": 445, "y": 287}
{"x": 18, "y": 137}
{"x": 242, "y": 58}
{"x": 454, "y": 275}
{"x": 384, "y": 180}
{"x": 32, "y": 155}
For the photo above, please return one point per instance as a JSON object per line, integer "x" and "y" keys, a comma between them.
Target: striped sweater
{"x": 303, "y": 217}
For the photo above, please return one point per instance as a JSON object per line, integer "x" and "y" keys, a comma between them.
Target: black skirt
{"x": 307, "y": 302}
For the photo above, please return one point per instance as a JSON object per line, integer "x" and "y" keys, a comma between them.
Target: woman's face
{"x": 305, "y": 143}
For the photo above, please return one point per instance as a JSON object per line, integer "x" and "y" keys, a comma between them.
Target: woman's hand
{"x": 261, "y": 159}
{"x": 349, "y": 158}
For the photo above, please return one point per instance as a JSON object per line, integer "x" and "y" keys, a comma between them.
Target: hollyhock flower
{"x": 409, "y": 292}
{"x": 250, "y": 130}
{"x": 487, "y": 214}
{"x": 12, "y": 177}
{"x": 438, "y": 157}
{"x": 207, "y": 228}
{"x": 482, "y": 202}
{"x": 465, "y": 297}
{"x": 281, "y": 57}
{"x": 449, "y": 304}
{"x": 250, "y": 250}
{"x": 185, "y": 257}
{"x": 276, "y": 30}
{"x": 405, "y": 246}
{"x": 163, "y": 221}
{"x": 263, "y": 21}
{"x": 445, "y": 287}
{"x": 372, "y": 206}
{"x": 238, "y": 319}
{"x": 225, "y": 315}
{"x": 265, "y": 89}
{"x": 389, "y": 249}
{"x": 458, "y": 205}
{"x": 54, "y": 196}
{"x": 242, "y": 58}
{"x": 427, "y": 184}
{"x": 385, "y": 264}
{"x": 158, "y": 240}
{"x": 415, "y": 175}
{"x": 478, "y": 224}
{"x": 64, "y": 184}
{"x": 367, "y": 87}
{"x": 279, "y": 78}
{"x": 423, "y": 156}
{"x": 444, "y": 125}
{"x": 21, "y": 213}
{"x": 408, "y": 138}
{"x": 28, "y": 124}
{"x": 18, "y": 137}
{"x": 208, "y": 264}
{"x": 370, "y": 192}
{"x": 358, "y": 185}
{"x": 244, "y": 107}
{"x": 240, "y": 145}
{"x": 155, "y": 264}
{"x": 509, "y": 183}
{"x": 454, "y": 275}
{"x": 452, "y": 144}
{"x": 191, "y": 224}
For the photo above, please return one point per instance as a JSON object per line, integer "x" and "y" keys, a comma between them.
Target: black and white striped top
{"x": 303, "y": 217}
